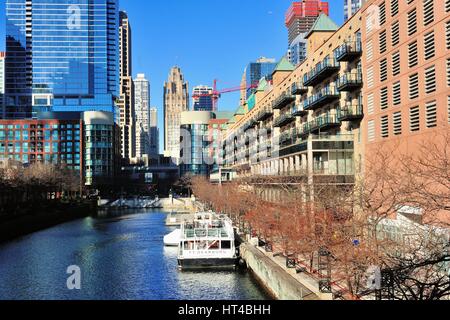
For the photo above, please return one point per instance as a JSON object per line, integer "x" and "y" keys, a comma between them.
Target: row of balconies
{"x": 325, "y": 96}
{"x": 283, "y": 100}
{"x": 348, "y": 51}
{"x": 321, "y": 71}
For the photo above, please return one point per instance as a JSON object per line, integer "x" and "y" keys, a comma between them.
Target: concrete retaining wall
{"x": 275, "y": 279}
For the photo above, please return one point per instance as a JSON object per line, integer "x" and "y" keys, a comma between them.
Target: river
{"x": 121, "y": 257}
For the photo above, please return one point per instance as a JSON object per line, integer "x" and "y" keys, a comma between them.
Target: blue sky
{"x": 208, "y": 39}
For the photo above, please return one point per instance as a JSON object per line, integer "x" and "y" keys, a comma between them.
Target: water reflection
{"x": 121, "y": 256}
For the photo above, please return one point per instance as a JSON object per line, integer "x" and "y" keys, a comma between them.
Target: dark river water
{"x": 121, "y": 257}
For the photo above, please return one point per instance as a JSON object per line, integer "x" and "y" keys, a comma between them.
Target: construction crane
{"x": 217, "y": 94}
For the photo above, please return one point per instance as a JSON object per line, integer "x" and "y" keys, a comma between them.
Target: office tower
{"x": 202, "y": 99}
{"x": 154, "y": 132}
{"x": 61, "y": 56}
{"x": 300, "y": 18}
{"x": 142, "y": 110}
{"x": 351, "y": 7}
{"x": 176, "y": 100}
{"x": 126, "y": 99}
{"x": 2, "y": 84}
{"x": 263, "y": 67}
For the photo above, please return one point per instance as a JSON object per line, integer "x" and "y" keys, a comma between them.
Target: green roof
{"x": 262, "y": 84}
{"x": 284, "y": 65}
{"x": 323, "y": 24}
{"x": 240, "y": 111}
{"x": 224, "y": 115}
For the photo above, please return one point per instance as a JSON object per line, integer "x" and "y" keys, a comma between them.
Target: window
{"x": 397, "y": 122}
{"x": 413, "y": 86}
{"x": 385, "y": 126}
{"x": 382, "y": 40}
{"x": 369, "y": 49}
{"x": 431, "y": 116}
{"x": 412, "y": 54}
{"x": 370, "y": 103}
{"x": 429, "y": 45}
{"x": 394, "y": 7}
{"x": 430, "y": 80}
{"x": 396, "y": 63}
{"x": 395, "y": 34}
{"x": 428, "y": 12}
{"x": 447, "y": 35}
{"x": 371, "y": 130}
{"x": 382, "y": 8}
{"x": 414, "y": 119}
{"x": 370, "y": 77}
{"x": 412, "y": 22}
{"x": 448, "y": 108}
{"x": 384, "y": 98}
{"x": 396, "y": 93}
{"x": 383, "y": 70}
{"x": 448, "y": 72}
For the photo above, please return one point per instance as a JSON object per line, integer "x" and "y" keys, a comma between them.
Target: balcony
{"x": 325, "y": 96}
{"x": 321, "y": 71}
{"x": 324, "y": 123}
{"x": 264, "y": 114}
{"x": 349, "y": 82}
{"x": 304, "y": 131}
{"x": 350, "y": 113}
{"x": 298, "y": 89}
{"x": 283, "y": 100}
{"x": 287, "y": 138}
{"x": 348, "y": 51}
{"x": 299, "y": 111}
{"x": 283, "y": 120}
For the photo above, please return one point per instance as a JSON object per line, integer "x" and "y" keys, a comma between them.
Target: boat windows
{"x": 226, "y": 244}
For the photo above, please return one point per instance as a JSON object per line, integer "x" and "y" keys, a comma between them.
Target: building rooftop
{"x": 323, "y": 24}
{"x": 284, "y": 65}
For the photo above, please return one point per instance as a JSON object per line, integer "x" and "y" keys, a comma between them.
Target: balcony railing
{"x": 283, "y": 120}
{"x": 283, "y": 100}
{"x": 348, "y": 51}
{"x": 350, "y": 113}
{"x": 299, "y": 88}
{"x": 325, "y": 96}
{"x": 324, "y": 122}
{"x": 299, "y": 111}
{"x": 321, "y": 71}
{"x": 350, "y": 82}
{"x": 264, "y": 114}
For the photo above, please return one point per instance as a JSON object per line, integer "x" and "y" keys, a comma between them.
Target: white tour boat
{"x": 207, "y": 242}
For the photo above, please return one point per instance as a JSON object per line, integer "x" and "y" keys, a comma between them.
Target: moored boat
{"x": 207, "y": 242}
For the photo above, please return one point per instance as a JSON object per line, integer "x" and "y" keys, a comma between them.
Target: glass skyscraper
{"x": 263, "y": 67}
{"x": 62, "y": 55}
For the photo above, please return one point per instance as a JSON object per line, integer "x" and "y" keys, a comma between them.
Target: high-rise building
{"x": 263, "y": 67}
{"x": 126, "y": 99}
{"x": 83, "y": 141}
{"x": 302, "y": 15}
{"x": 61, "y": 56}
{"x": 406, "y": 96}
{"x": 2, "y": 84}
{"x": 243, "y": 97}
{"x": 351, "y": 7}
{"x": 300, "y": 18}
{"x": 195, "y": 154}
{"x": 176, "y": 100}
{"x": 142, "y": 110}
{"x": 154, "y": 132}
{"x": 202, "y": 99}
